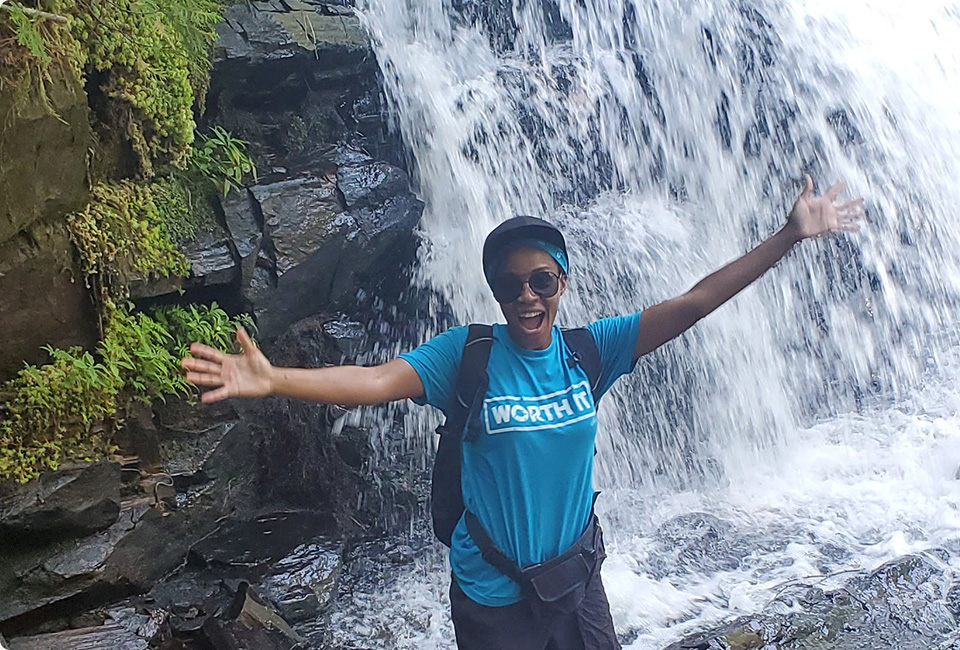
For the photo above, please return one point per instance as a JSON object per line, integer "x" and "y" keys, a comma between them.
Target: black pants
{"x": 516, "y": 627}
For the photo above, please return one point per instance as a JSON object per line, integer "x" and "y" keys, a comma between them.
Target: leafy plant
{"x": 63, "y": 409}
{"x": 69, "y": 408}
{"x": 137, "y": 350}
{"x": 151, "y": 59}
{"x": 222, "y": 160}
{"x": 27, "y": 33}
{"x": 207, "y": 324}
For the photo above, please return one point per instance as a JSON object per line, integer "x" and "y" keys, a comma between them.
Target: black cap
{"x": 515, "y": 229}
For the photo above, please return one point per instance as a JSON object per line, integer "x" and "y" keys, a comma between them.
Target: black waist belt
{"x": 554, "y": 579}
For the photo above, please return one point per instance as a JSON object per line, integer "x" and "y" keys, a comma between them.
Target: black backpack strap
{"x": 471, "y": 375}
{"x": 446, "y": 498}
{"x": 489, "y": 550}
{"x": 585, "y": 353}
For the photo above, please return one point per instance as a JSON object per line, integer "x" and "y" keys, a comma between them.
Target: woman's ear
{"x": 563, "y": 283}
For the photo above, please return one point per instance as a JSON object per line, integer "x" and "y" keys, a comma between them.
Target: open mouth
{"x": 531, "y": 321}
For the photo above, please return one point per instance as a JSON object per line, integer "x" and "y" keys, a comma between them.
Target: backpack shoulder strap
{"x": 585, "y": 353}
{"x": 471, "y": 374}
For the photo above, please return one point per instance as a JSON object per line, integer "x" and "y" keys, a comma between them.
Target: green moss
{"x": 129, "y": 228}
{"x": 150, "y": 59}
{"x": 155, "y": 54}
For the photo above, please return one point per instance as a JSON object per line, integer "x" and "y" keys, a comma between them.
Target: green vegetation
{"x": 149, "y": 58}
{"x": 134, "y": 227}
{"x": 145, "y": 65}
{"x": 222, "y": 160}
{"x": 125, "y": 230}
{"x": 205, "y": 324}
{"x": 68, "y": 409}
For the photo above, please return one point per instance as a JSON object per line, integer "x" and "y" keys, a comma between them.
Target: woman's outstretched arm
{"x": 250, "y": 374}
{"x": 811, "y": 216}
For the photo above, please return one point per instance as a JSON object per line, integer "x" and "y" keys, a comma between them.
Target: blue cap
{"x": 523, "y": 231}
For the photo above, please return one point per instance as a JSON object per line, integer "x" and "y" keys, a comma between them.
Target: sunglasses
{"x": 507, "y": 288}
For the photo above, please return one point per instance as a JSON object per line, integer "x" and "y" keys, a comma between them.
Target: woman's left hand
{"x": 812, "y": 216}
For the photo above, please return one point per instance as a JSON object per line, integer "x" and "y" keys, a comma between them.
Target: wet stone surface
{"x": 904, "y": 604}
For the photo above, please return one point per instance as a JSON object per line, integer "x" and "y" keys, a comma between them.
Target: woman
{"x": 527, "y": 474}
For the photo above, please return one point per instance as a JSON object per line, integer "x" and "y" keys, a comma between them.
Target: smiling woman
{"x": 527, "y": 550}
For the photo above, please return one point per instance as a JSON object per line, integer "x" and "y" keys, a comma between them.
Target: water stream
{"x": 816, "y": 416}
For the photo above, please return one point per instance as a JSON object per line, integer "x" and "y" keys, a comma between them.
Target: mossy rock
{"x": 43, "y": 153}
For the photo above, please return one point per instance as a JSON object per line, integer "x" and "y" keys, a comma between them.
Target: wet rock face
{"x": 49, "y": 145}
{"x": 903, "y": 604}
{"x": 303, "y": 246}
{"x": 43, "y": 300}
{"x": 68, "y": 503}
{"x": 43, "y": 177}
{"x": 331, "y": 212}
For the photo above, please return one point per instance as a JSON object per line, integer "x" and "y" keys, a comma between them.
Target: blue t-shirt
{"x": 528, "y": 475}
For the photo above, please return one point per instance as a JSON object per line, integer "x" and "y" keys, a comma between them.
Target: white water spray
{"x": 666, "y": 139}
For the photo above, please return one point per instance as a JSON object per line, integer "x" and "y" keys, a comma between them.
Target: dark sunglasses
{"x": 507, "y": 288}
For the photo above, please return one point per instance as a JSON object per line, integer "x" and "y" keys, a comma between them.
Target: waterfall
{"x": 666, "y": 139}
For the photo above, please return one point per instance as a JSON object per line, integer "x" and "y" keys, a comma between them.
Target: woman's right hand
{"x": 235, "y": 375}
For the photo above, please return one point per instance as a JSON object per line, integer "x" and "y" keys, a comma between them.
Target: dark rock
{"x": 306, "y": 233}
{"x": 262, "y": 30}
{"x": 900, "y": 605}
{"x": 65, "y": 504}
{"x": 111, "y": 636}
{"x": 44, "y": 149}
{"x": 91, "y": 553}
{"x": 300, "y": 216}
{"x": 43, "y": 177}
{"x": 211, "y": 259}
{"x": 396, "y": 214}
{"x": 43, "y": 300}
{"x": 303, "y": 585}
{"x": 146, "y": 625}
{"x": 252, "y": 545}
{"x": 251, "y": 623}
{"x": 347, "y": 336}
{"x": 143, "y": 546}
{"x": 245, "y": 225}
{"x": 371, "y": 183}
{"x": 139, "y": 437}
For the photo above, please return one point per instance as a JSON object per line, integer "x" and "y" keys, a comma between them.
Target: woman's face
{"x": 530, "y": 317}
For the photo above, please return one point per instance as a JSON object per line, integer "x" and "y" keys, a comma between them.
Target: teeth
{"x": 531, "y": 314}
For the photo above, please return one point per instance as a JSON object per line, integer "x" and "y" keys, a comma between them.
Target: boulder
{"x": 274, "y": 31}
{"x": 43, "y": 300}
{"x": 303, "y": 584}
{"x": 44, "y": 148}
{"x": 111, "y": 636}
{"x": 213, "y": 263}
{"x": 61, "y": 505}
{"x": 902, "y": 605}
{"x": 314, "y": 251}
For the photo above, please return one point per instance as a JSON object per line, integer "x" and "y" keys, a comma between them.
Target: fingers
{"x": 852, "y": 210}
{"x": 204, "y": 379}
{"x": 246, "y": 343}
{"x": 214, "y": 395}
{"x": 199, "y": 365}
{"x": 835, "y": 190}
{"x": 807, "y": 187}
{"x": 202, "y": 351}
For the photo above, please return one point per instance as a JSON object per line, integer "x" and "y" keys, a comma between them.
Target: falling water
{"x": 817, "y": 409}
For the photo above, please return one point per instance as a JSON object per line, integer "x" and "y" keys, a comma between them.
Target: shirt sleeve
{"x": 616, "y": 338}
{"x": 436, "y": 363}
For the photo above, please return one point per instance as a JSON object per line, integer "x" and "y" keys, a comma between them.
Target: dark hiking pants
{"x": 517, "y": 627}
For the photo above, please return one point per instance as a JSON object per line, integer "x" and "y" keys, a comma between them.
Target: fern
{"x": 27, "y": 33}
